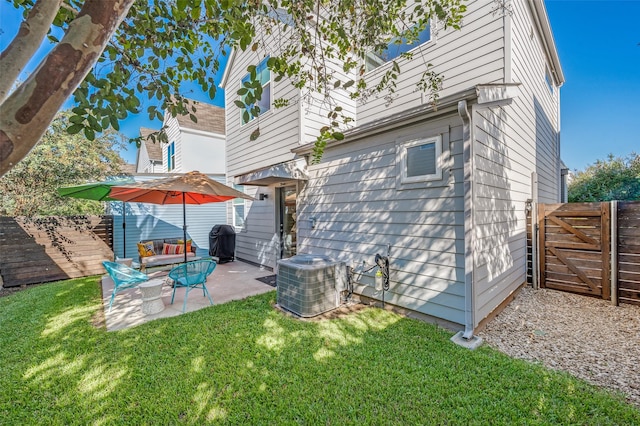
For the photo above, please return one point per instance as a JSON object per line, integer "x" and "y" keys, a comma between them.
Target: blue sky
{"x": 599, "y": 47}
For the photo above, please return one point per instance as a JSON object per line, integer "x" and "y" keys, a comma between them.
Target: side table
{"x": 152, "y": 296}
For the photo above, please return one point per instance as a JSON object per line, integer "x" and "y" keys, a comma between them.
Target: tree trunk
{"x": 28, "y": 111}
{"x": 29, "y": 38}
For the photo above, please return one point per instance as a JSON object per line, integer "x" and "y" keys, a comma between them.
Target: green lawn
{"x": 246, "y": 363}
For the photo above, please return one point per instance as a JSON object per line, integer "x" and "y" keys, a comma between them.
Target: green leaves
{"x": 164, "y": 44}
{"x": 616, "y": 178}
{"x": 63, "y": 156}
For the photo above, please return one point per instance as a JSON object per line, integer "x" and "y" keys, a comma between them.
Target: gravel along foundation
{"x": 587, "y": 337}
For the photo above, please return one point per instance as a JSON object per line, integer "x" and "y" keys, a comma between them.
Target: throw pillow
{"x": 180, "y": 241}
{"x": 172, "y": 248}
{"x": 146, "y": 249}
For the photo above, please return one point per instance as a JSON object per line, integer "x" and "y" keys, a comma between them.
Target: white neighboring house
{"x": 195, "y": 145}
{"x": 442, "y": 190}
{"x": 192, "y": 146}
{"x": 149, "y": 157}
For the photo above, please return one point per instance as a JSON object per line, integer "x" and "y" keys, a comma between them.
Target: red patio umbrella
{"x": 190, "y": 188}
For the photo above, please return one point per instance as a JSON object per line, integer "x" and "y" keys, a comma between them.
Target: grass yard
{"x": 246, "y": 363}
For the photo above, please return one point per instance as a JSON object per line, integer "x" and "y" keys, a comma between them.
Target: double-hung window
{"x": 263, "y": 76}
{"x": 171, "y": 156}
{"x": 239, "y": 209}
{"x": 395, "y": 48}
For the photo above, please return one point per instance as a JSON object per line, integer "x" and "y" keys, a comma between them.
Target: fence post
{"x": 541, "y": 253}
{"x": 535, "y": 248}
{"x": 614, "y": 252}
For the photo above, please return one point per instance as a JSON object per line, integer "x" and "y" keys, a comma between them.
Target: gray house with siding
{"x": 442, "y": 190}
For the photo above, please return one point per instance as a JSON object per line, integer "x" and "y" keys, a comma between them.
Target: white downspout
{"x": 466, "y": 338}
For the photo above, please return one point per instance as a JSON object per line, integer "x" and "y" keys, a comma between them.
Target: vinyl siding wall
{"x": 143, "y": 164}
{"x": 511, "y": 142}
{"x": 203, "y": 152}
{"x": 314, "y": 110}
{"x": 353, "y": 196}
{"x": 470, "y": 56}
{"x": 536, "y": 111}
{"x": 257, "y": 241}
{"x": 279, "y": 128}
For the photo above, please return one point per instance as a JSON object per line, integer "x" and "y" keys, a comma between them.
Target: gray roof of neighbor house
{"x": 210, "y": 118}
{"x": 128, "y": 169}
{"x": 154, "y": 150}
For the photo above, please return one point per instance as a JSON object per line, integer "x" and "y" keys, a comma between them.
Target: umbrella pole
{"x": 184, "y": 226}
{"x": 124, "y": 233}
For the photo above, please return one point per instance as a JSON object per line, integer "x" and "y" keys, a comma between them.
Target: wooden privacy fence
{"x": 581, "y": 252}
{"x": 37, "y": 250}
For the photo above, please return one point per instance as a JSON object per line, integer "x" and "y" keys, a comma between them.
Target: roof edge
{"x": 445, "y": 105}
{"x": 227, "y": 68}
{"x": 544, "y": 26}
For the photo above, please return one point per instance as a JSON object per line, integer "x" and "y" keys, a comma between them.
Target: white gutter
{"x": 468, "y": 219}
{"x": 541, "y": 20}
{"x": 466, "y": 338}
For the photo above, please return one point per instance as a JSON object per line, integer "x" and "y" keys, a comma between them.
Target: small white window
{"x": 421, "y": 160}
{"x": 239, "y": 208}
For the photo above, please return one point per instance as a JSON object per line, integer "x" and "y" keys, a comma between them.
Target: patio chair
{"x": 123, "y": 278}
{"x": 192, "y": 275}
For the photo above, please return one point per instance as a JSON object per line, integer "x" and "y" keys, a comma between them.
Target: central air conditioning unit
{"x": 309, "y": 285}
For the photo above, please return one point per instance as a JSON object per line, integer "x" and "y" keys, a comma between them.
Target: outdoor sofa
{"x": 163, "y": 251}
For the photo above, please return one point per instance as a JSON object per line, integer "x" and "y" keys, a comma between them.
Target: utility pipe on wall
{"x": 468, "y": 219}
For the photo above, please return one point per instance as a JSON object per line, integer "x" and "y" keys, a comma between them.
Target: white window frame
{"x": 237, "y": 202}
{"x": 171, "y": 158}
{"x": 437, "y": 140}
{"x": 268, "y": 83}
{"x": 373, "y": 57}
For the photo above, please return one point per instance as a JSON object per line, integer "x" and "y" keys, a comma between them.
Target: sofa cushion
{"x": 165, "y": 259}
{"x": 181, "y": 241}
{"x": 146, "y": 249}
{"x": 173, "y": 249}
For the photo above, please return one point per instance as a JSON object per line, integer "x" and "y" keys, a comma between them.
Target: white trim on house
{"x": 227, "y": 69}
{"x": 200, "y": 132}
{"x": 541, "y": 20}
{"x": 445, "y": 106}
{"x": 402, "y": 159}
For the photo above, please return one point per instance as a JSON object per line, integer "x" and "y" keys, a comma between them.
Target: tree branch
{"x": 28, "y": 111}
{"x": 25, "y": 44}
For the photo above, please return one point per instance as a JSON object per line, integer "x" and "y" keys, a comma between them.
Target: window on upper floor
{"x": 171, "y": 156}
{"x": 239, "y": 208}
{"x": 394, "y": 49}
{"x": 548, "y": 79}
{"x": 263, "y": 77}
{"x": 420, "y": 160}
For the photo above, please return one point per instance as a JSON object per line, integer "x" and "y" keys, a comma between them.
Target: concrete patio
{"x": 229, "y": 281}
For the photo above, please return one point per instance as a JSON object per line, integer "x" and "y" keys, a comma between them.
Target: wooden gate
{"x": 574, "y": 247}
